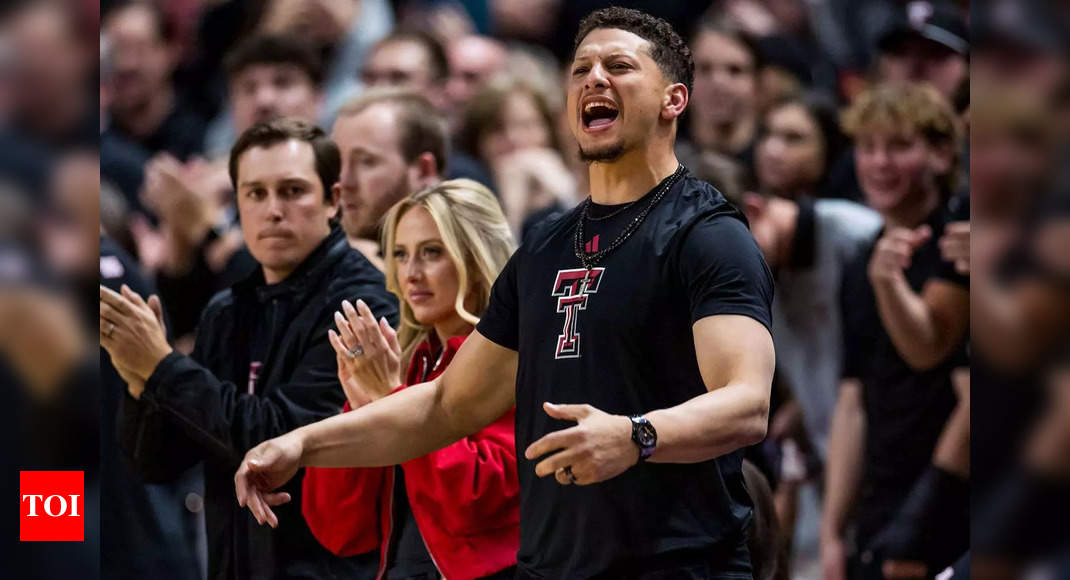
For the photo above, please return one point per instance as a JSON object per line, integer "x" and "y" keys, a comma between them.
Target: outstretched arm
{"x": 476, "y": 389}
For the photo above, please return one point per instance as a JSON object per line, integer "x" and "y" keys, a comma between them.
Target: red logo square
{"x": 51, "y": 506}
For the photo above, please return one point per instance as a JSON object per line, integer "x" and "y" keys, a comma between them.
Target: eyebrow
{"x": 616, "y": 54}
{"x": 284, "y": 180}
{"x": 420, "y": 243}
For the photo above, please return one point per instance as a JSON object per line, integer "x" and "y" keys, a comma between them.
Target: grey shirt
{"x": 807, "y": 322}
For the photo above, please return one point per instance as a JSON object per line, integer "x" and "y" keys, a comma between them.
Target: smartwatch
{"x": 644, "y": 435}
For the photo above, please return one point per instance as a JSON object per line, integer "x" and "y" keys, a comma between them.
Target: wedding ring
{"x": 355, "y": 351}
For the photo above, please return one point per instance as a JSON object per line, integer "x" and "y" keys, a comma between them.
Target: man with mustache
{"x": 631, "y": 333}
{"x": 262, "y": 364}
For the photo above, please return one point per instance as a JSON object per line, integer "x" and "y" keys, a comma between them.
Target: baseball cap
{"x": 939, "y": 22}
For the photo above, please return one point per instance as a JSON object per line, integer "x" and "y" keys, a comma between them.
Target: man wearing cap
{"x": 929, "y": 43}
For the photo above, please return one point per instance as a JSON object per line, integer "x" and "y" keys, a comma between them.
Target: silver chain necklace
{"x": 590, "y": 260}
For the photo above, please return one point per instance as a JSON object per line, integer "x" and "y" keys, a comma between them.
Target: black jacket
{"x": 200, "y": 407}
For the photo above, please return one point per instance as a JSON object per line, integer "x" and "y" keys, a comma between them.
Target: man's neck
{"x": 730, "y": 137}
{"x": 147, "y": 119}
{"x": 911, "y": 215}
{"x": 630, "y": 176}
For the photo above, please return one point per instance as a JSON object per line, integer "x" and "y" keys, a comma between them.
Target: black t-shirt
{"x": 906, "y": 410}
{"x": 622, "y": 342}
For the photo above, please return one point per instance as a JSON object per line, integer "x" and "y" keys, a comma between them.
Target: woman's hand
{"x": 368, "y": 354}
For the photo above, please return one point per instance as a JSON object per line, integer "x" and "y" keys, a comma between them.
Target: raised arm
{"x": 476, "y": 389}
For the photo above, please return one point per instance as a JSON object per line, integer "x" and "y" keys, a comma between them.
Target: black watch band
{"x": 644, "y": 435}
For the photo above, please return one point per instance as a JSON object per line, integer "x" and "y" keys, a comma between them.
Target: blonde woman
{"x": 454, "y": 511}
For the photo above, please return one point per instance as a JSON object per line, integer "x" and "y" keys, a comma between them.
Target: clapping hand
{"x": 368, "y": 354}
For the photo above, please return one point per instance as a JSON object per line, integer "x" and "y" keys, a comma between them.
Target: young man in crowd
{"x": 645, "y": 359}
{"x": 899, "y": 428}
{"x": 393, "y": 143}
{"x": 262, "y": 364}
{"x": 143, "y": 105}
{"x": 197, "y": 249}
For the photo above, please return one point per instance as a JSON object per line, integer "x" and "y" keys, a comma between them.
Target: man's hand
{"x": 955, "y": 246}
{"x": 133, "y": 333}
{"x": 894, "y": 252}
{"x": 265, "y": 468}
{"x": 600, "y": 447}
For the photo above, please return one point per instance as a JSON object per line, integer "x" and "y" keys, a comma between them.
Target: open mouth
{"x": 599, "y": 114}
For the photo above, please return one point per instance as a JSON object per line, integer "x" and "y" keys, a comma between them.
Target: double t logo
{"x": 572, "y": 287}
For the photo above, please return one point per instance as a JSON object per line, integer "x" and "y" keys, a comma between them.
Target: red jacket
{"x": 464, "y": 497}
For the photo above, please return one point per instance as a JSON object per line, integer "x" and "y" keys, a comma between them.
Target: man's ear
{"x": 674, "y": 101}
{"x": 427, "y": 168}
{"x": 754, "y": 205}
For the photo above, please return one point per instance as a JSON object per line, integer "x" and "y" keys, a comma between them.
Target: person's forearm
{"x": 952, "y": 452}
{"x": 389, "y": 431}
{"x": 711, "y": 425}
{"x": 844, "y": 467}
{"x": 908, "y": 322}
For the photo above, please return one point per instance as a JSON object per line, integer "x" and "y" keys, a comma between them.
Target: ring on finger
{"x": 111, "y": 329}
{"x": 355, "y": 351}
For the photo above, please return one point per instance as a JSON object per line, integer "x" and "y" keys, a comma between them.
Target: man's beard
{"x": 610, "y": 152}
{"x": 371, "y": 219}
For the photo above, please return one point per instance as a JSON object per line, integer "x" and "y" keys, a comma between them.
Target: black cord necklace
{"x": 590, "y": 260}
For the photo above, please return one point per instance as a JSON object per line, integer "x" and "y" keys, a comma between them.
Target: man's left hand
{"x": 132, "y": 332}
{"x": 598, "y": 448}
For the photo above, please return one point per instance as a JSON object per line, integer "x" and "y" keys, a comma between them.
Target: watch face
{"x": 647, "y": 435}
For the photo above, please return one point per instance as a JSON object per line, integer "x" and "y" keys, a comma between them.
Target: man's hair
{"x": 422, "y": 129}
{"x": 274, "y": 49}
{"x": 667, "y": 49}
{"x": 907, "y": 107}
{"x": 166, "y": 27}
{"x": 729, "y": 29}
{"x": 436, "y": 53}
{"x": 269, "y": 133}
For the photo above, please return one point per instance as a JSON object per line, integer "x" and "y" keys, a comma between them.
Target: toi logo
{"x": 51, "y": 506}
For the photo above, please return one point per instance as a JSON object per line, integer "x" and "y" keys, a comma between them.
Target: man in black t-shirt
{"x": 899, "y": 440}
{"x": 635, "y": 329}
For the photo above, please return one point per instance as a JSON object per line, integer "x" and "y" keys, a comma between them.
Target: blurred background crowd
{"x": 135, "y": 169}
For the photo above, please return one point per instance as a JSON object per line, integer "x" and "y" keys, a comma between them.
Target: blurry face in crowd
{"x": 922, "y": 60}
{"x": 401, "y": 64}
{"x": 474, "y": 61}
{"x": 615, "y": 94}
{"x": 266, "y": 91}
{"x": 426, "y": 274}
{"x": 375, "y": 174}
{"x": 725, "y": 79}
{"x": 141, "y": 59}
{"x": 522, "y": 127}
{"x": 48, "y": 63}
{"x": 1007, "y": 170}
{"x": 72, "y": 225}
{"x": 284, "y": 214}
{"x": 791, "y": 154}
{"x": 896, "y": 168}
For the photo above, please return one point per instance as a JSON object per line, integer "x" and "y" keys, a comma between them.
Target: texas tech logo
{"x": 52, "y": 506}
{"x": 572, "y": 288}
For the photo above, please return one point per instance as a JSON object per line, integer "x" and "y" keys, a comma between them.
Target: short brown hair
{"x": 274, "y": 49}
{"x": 423, "y": 129}
{"x": 899, "y": 107}
{"x": 268, "y": 133}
